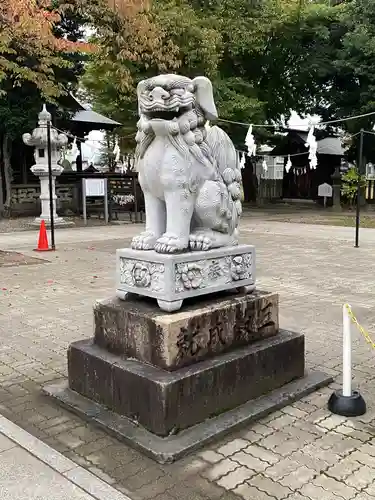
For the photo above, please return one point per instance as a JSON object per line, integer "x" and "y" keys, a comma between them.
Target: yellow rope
{"x": 360, "y": 328}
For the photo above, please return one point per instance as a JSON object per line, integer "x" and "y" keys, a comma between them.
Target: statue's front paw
{"x": 200, "y": 241}
{"x": 170, "y": 243}
{"x": 144, "y": 241}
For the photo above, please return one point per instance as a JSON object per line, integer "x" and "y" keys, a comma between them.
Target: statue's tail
{"x": 227, "y": 165}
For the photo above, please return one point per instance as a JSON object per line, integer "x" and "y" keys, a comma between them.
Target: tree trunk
{"x": 7, "y": 153}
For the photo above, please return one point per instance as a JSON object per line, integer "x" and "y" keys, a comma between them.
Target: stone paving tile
{"x": 235, "y": 478}
{"x": 221, "y": 469}
{"x": 354, "y": 432}
{"x": 70, "y": 440}
{"x": 93, "y": 446}
{"x": 370, "y": 490}
{"x": 101, "y": 475}
{"x": 274, "y": 440}
{"x": 282, "y": 469}
{"x": 364, "y": 496}
{"x": 249, "y": 461}
{"x": 210, "y": 456}
{"x": 297, "y": 478}
{"x": 188, "y": 467}
{"x": 251, "y": 493}
{"x": 206, "y": 487}
{"x": 294, "y": 412}
{"x": 265, "y": 455}
{"x": 164, "y": 496}
{"x": 297, "y": 496}
{"x": 363, "y": 458}
{"x": 323, "y": 457}
{"x": 261, "y": 428}
{"x": 43, "y": 321}
{"x": 232, "y": 447}
{"x": 342, "y": 445}
{"x": 368, "y": 448}
{"x": 281, "y": 422}
{"x": 289, "y": 446}
{"x": 272, "y": 488}
{"x": 315, "y": 492}
{"x": 5, "y": 443}
{"x": 338, "y": 487}
{"x": 144, "y": 477}
{"x": 344, "y": 468}
{"x": 361, "y": 478}
{"x": 159, "y": 487}
{"x": 332, "y": 422}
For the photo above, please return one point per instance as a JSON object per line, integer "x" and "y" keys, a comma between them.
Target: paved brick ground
{"x": 299, "y": 453}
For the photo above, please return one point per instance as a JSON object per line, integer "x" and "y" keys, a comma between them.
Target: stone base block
{"x": 174, "y": 447}
{"x": 171, "y": 278}
{"x": 58, "y": 222}
{"x": 138, "y": 329}
{"x": 167, "y": 402}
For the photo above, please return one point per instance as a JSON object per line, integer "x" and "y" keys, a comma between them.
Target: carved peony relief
{"x": 202, "y": 274}
{"x": 189, "y": 276}
{"x": 208, "y": 273}
{"x": 142, "y": 274}
{"x": 241, "y": 267}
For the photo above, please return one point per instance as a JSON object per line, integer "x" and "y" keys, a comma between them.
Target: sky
{"x": 296, "y": 122}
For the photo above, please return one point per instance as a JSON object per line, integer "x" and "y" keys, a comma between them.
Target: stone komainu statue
{"x": 189, "y": 173}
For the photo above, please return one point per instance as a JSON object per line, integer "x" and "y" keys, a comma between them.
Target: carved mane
{"x": 188, "y": 134}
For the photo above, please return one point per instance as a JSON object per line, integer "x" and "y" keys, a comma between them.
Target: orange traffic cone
{"x": 43, "y": 239}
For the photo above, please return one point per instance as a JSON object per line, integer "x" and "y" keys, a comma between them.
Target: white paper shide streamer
{"x": 264, "y": 166}
{"x": 74, "y": 151}
{"x": 116, "y": 151}
{"x": 313, "y": 146}
{"x": 288, "y": 165}
{"x": 242, "y": 160}
{"x": 250, "y": 142}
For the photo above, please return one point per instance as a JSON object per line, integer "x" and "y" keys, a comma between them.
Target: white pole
{"x": 346, "y": 355}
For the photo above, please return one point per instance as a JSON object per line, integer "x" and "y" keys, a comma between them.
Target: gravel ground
{"x": 25, "y": 223}
{"x": 293, "y": 213}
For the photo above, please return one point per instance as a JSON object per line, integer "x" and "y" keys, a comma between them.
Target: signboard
{"x": 325, "y": 190}
{"x": 370, "y": 172}
{"x": 95, "y": 187}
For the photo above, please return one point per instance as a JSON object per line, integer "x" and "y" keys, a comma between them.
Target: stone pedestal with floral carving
{"x": 170, "y": 383}
{"x": 172, "y": 278}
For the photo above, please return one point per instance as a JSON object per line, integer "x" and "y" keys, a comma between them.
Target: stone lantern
{"x": 38, "y": 139}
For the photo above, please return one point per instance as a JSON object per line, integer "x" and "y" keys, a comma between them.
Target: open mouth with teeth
{"x": 164, "y": 115}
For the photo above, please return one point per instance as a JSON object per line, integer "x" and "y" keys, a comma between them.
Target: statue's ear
{"x": 141, "y": 87}
{"x": 205, "y": 97}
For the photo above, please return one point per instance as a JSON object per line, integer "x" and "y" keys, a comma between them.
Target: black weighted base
{"x": 347, "y": 406}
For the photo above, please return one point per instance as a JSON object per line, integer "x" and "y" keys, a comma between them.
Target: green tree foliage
{"x": 227, "y": 40}
{"x": 334, "y": 64}
{"x": 169, "y": 37}
{"x": 37, "y": 62}
{"x": 349, "y": 187}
